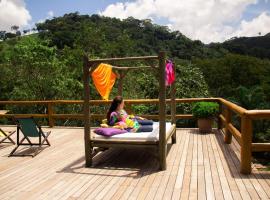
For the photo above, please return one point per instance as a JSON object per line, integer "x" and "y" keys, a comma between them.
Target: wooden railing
{"x": 52, "y": 116}
{"x": 242, "y": 136}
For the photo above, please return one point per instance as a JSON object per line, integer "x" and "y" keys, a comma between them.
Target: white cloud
{"x": 50, "y": 14}
{"x": 13, "y": 12}
{"x": 139, "y": 9}
{"x": 207, "y": 20}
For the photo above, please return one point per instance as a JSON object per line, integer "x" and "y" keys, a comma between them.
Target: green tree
{"x": 39, "y": 73}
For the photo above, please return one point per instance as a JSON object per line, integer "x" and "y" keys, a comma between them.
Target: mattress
{"x": 138, "y": 136}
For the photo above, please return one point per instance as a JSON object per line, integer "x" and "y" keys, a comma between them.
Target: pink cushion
{"x": 109, "y": 131}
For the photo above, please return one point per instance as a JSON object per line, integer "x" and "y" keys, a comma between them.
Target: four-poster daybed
{"x": 164, "y": 131}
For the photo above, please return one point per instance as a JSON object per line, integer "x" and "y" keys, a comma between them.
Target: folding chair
{"x": 6, "y": 136}
{"x": 29, "y": 128}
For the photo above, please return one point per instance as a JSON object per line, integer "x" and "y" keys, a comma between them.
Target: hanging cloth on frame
{"x": 104, "y": 79}
{"x": 170, "y": 76}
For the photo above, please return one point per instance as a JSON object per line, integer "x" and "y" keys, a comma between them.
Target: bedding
{"x": 138, "y": 136}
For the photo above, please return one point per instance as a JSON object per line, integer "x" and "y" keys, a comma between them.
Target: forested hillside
{"x": 48, "y": 65}
{"x": 254, "y": 46}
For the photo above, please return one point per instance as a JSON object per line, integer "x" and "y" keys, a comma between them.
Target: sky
{"x": 205, "y": 20}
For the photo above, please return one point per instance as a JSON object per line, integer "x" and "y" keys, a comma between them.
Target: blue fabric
{"x": 145, "y": 128}
{"x": 145, "y": 122}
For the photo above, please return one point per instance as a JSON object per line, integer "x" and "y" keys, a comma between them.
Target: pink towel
{"x": 170, "y": 76}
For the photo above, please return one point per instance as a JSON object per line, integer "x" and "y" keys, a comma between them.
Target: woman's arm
{"x": 113, "y": 119}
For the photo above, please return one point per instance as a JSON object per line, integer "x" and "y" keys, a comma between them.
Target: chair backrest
{"x": 28, "y": 127}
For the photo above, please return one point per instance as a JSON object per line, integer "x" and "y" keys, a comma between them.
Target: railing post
{"x": 88, "y": 149}
{"x": 122, "y": 75}
{"x": 246, "y": 137}
{"x": 128, "y": 108}
{"x": 173, "y": 105}
{"x": 228, "y": 134}
{"x": 50, "y": 113}
{"x": 219, "y": 119}
{"x": 162, "y": 112}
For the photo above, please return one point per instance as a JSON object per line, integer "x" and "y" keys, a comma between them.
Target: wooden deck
{"x": 199, "y": 167}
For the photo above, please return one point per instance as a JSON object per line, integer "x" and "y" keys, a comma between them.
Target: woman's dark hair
{"x": 115, "y": 103}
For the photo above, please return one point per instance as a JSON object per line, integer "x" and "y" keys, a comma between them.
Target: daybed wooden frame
{"x": 161, "y": 144}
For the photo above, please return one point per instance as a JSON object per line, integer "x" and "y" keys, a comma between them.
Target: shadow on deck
{"x": 198, "y": 166}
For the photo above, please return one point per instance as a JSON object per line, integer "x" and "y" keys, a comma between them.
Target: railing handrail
{"x": 232, "y": 106}
{"x": 184, "y": 100}
{"x": 258, "y": 114}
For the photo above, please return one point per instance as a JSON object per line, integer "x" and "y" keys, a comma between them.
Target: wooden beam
{"x": 220, "y": 122}
{"x": 128, "y": 68}
{"x": 222, "y": 118}
{"x": 98, "y": 102}
{"x": 173, "y": 105}
{"x": 122, "y": 75}
{"x": 246, "y": 130}
{"x": 259, "y": 114}
{"x": 228, "y": 134}
{"x": 86, "y": 110}
{"x": 231, "y": 106}
{"x": 257, "y": 147}
{"x": 162, "y": 112}
{"x": 25, "y": 115}
{"x": 235, "y": 133}
{"x": 122, "y": 59}
{"x": 50, "y": 113}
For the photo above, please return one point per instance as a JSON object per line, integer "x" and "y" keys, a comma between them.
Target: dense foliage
{"x": 48, "y": 65}
{"x": 205, "y": 109}
{"x": 254, "y": 46}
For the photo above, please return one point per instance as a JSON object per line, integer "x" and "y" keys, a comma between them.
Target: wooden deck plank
{"x": 245, "y": 178}
{"x": 23, "y": 178}
{"x": 201, "y": 170}
{"x": 131, "y": 186}
{"x": 187, "y": 174}
{"x": 225, "y": 165}
{"x": 181, "y": 163}
{"x": 193, "y": 191}
{"x": 223, "y": 179}
{"x": 254, "y": 188}
{"x": 207, "y": 171}
{"x": 215, "y": 176}
{"x": 109, "y": 190}
{"x": 235, "y": 174}
{"x": 174, "y": 161}
{"x": 199, "y": 166}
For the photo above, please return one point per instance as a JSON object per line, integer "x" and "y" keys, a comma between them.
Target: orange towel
{"x": 104, "y": 79}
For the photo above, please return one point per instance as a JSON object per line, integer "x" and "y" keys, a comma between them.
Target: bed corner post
{"x": 86, "y": 110}
{"x": 173, "y": 105}
{"x": 162, "y": 112}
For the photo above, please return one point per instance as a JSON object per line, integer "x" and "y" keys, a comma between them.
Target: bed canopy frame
{"x": 161, "y": 144}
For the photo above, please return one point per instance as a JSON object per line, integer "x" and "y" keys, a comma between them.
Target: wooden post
{"x": 120, "y": 83}
{"x": 219, "y": 119}
{"x": 128, "y": 108}
{"x": 246, "y": 136}
{"x": 120, "y": 86}
{"x": 122, "y": 74}
{"x": 173, "y": 105}
{"x": 228, "y": 134}
{"x": 50, "y": 113}
{"x": 86, "y": 110}
{"x": 162, "y": 112}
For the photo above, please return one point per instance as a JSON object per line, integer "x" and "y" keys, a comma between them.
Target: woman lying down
{"x": 117, "y": 116}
